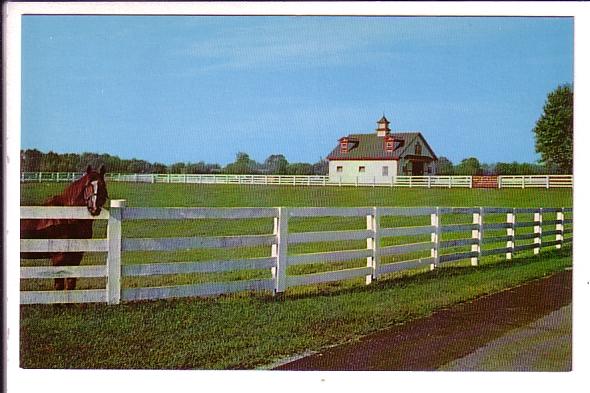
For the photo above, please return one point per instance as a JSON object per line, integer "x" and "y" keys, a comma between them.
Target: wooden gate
{"x": 485, "y": 181}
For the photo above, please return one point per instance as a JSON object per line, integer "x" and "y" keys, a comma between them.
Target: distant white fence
{"x": 522, "y": 181}
{"x": 442, "y": 250}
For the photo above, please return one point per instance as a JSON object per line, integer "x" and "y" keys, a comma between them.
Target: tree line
{"x": 33, "y": 160}
{"x": 276, "y": 164}
{"x": 472, "y": 166}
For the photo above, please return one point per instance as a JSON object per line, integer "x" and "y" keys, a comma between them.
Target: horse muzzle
{"x": 94, "y": 211}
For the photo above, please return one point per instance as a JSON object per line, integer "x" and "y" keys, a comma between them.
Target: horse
{"x": 90, "y": 191}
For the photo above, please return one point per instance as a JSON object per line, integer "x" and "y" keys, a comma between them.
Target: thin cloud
{"x": 321, "y": 40}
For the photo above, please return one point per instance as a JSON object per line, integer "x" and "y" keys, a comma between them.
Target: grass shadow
{"x": 417, "y": 276}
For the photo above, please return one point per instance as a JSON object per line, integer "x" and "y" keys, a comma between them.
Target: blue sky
{"x": 180, "y": 88}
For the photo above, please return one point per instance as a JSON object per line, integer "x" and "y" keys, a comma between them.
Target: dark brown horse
{"x": 90, "y": 191}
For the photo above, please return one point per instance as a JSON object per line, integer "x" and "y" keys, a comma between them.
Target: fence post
{"x": 547, "y": 181}
{"x": 435, "y": 238}
{"x": 477, "y": 234}
{"x": 523, "y": 182}
{"x": 470, "y": 181}
{"x": 559, "y": 228}
{"x": 511, "y": 220}
{"x": 450, "y": 181}
{"x": 114, "y": 253}
{"x": 410, "y": 181}
{"x": 499, "y": 181}
{"x": 538, "y": 230}
{"x": 429, "y": 181}
{"x": 279, "y": 250}
{"x": 373, "y": 224}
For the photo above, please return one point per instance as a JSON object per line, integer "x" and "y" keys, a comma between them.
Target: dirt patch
{"x": 448, "y": 334}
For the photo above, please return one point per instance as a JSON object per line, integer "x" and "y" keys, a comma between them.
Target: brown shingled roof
{"x": 372, "y": 147}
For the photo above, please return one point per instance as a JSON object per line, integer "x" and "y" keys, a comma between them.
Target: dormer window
{"x": 389, "y": 144}
{"x": 344, "y": 145}
{"x": 348, "y": 143}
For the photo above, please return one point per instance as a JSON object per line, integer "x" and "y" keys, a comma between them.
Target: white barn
{"x": 380, "y": 156}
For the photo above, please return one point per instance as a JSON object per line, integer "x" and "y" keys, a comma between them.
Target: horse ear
{"x": 88, "y": 168}
{"x": 102, "y": 170}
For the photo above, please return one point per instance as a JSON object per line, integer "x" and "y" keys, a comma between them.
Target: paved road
{"x": 544, "y": 345}
{"x": 454, "y": 333}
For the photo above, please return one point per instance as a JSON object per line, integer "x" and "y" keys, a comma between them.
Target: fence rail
{"x": 502, "y": 235}
{"x": 520, "y": 181}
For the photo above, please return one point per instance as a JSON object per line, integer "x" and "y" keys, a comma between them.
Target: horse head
{"x": 95, "y": 192}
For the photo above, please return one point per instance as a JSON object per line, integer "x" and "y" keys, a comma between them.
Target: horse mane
{"x": 66, "y": 198}
{"x": 56, "y": 200}
{"x": 70, "y": 195}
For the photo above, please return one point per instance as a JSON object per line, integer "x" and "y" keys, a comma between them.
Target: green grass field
{"x": 160, "y": 194}
{"x": 252, "y": 330}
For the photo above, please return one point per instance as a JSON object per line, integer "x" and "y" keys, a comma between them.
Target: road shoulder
{"x": 448, "y": 334}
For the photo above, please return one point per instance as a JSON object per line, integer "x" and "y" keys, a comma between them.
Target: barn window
{"x": 339, "y": 169}
{"x": 344, "y": 145}
{"x": 418, "y": 149}
{"x": 385, "y": 171}
{"x": 361, "y": 168}
{"x": 429, "y": 170}
{"x": 389, "y": 144}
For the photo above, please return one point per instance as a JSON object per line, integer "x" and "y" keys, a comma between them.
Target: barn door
{"x": 417, "y": 168}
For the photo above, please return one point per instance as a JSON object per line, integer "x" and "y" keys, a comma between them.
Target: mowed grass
{"x": 161, "y": 194}
{"x": 252, "y": 330}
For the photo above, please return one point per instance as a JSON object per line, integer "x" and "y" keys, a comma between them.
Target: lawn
{"x": 161, "y": 194}
{"x": 253, "y": 330}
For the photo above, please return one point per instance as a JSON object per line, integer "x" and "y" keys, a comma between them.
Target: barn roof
{"x": 372, "y": 147}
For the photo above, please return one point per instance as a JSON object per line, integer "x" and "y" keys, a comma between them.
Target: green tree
{"x": 444, "y": 166}
{"x": 31, "y": 160}
{"x": 158, "y": 167}
{"x": 300, "y": 168}
{"x": 554, "y": 131}
{"x": 275, "y": 164}
{"x": 242, "y": 165}
{"x": 177, "y": 167}
{"x": 321, "y": 167}
{"x": 469, "y": 166}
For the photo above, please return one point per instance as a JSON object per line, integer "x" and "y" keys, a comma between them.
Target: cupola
{"x": 383, "y": 127}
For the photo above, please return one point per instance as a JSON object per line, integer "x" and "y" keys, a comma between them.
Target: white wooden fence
{"x": 521, "y": 181}
{"x": 442, "y": 250}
